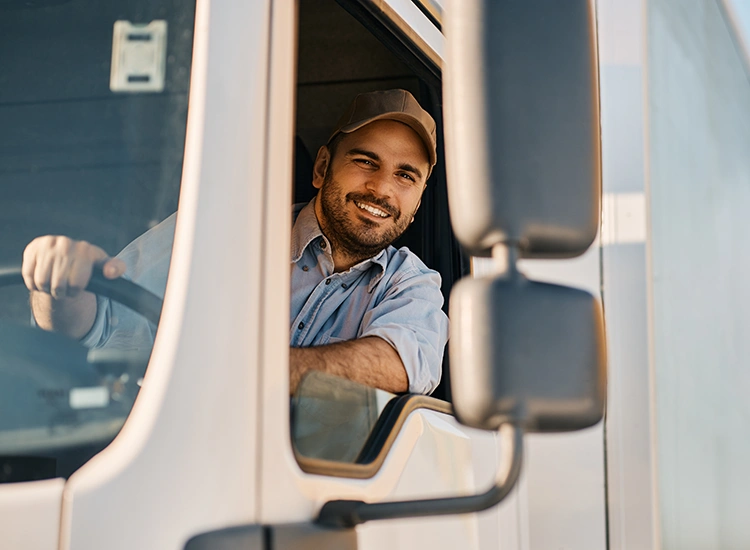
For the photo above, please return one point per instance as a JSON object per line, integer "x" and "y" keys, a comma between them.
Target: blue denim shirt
{"x": 393, "y": 296}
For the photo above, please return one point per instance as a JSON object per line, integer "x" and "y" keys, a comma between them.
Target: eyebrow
{"x": 405, "y": 166}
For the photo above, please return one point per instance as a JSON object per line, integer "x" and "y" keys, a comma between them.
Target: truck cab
{"x": 117, "y": 115}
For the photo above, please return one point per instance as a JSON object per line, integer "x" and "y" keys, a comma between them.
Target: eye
{"x": 407, "y": 176}
{"x": 364, "y": 162}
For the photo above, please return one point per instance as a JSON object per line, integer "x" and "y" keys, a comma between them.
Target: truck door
{"x": 400, "y": 45}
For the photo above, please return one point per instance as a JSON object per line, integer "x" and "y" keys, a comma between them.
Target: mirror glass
{"x": 333, "y": 418}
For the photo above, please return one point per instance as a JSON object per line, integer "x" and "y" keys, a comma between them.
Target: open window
{"x": 346, "y": 48}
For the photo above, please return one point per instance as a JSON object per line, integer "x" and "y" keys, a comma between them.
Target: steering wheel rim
{"x": 127, "y": 293}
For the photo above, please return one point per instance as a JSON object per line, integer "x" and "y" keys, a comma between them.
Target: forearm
{"x": 73, "y": 317}
{"x": 370, "y": 361}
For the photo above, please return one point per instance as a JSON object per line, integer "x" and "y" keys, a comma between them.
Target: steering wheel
{"x": 41, "y": 370}
{"x": 120, "y": 290}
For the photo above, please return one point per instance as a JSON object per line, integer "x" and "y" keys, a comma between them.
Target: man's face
{"x": 371, "y": 188}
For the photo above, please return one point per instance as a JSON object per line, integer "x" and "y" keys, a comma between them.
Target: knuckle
{"x": 64, "y": 245}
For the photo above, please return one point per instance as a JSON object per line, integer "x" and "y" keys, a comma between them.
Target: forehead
{"x": 388, "y": 138}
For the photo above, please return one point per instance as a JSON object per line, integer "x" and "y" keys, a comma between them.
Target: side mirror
{"x": 528, "y": 354}
{"x": 524, "y": 181}
{"x": 522, "y": 143}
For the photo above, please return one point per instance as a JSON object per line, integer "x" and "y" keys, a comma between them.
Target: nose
{"x": 379, "y": 184}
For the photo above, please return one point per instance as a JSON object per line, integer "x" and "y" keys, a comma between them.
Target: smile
{"x": 371, "y": 209}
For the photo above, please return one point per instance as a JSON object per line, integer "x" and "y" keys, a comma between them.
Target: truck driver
{"x": 360, "y": 308}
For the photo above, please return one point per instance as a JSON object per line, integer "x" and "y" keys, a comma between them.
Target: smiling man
{"x": 360, "y": 308}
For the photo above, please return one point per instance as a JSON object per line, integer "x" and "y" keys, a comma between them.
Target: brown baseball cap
{"x": 397, "y": 105}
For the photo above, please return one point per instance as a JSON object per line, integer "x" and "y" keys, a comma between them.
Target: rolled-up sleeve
{"x": 409, "y": 317}
{"x": 100, "y": 330}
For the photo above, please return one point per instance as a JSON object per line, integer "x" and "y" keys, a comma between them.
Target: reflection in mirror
{"x": 333, "y": 418}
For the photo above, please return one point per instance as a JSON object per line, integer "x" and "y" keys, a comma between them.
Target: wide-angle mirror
{"x": 333, "y": 418}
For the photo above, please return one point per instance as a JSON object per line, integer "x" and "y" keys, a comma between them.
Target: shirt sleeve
{"x": 147, "y": 259}
{"x": 98, "y": 334}
{"x": 410, "y": 318}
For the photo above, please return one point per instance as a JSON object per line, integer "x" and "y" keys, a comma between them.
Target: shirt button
{"x": 328, "y": 281}
{"x": 305, "y": 268}
{"x": 301, "y": 326}
{"x": 344, "y": 285}
{"x": 322, "y": 244}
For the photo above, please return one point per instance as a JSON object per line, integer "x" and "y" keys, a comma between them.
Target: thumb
{"x": 113, "y": 268}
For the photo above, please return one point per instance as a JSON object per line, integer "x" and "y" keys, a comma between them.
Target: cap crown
{"x": 397, "y": 105}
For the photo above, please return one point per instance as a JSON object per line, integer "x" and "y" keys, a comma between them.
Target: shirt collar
{"x": 306, "y": 230}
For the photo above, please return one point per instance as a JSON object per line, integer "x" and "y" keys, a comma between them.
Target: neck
{"x": 342, "y": 261}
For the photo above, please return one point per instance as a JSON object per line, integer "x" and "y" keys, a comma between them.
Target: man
{"x": 360, "y": 308}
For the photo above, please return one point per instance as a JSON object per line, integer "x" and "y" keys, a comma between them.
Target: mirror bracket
{"x": 350, "y": 513}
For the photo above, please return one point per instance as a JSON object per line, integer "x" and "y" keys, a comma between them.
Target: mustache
{"x": 380, "y": 203}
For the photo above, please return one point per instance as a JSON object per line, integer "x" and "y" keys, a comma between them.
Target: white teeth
{"x": 371, "y": 209}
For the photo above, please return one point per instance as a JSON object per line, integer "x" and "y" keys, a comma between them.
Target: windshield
{"x": 93, "y": 110}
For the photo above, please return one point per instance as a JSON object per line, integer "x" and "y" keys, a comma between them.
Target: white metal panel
{"x": 279, "y": 496}
{"x": 185, "y": 460}
{"x": 699, "y": 189}
{"x": 630, "y": 467}
{"x": 30, "y": 518}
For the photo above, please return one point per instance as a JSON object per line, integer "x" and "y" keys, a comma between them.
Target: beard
{"x": 359, "y": 238}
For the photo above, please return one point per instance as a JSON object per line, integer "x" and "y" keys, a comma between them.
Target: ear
{"x": 321, "y": 166}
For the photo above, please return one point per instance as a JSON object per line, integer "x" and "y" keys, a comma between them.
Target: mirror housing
{"x": 521, "y": 102}
{"x": 526, "y": 353}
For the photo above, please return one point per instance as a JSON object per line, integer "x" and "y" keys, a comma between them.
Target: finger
{"x": 79, "y": 277}
{"x": 43, "y": 272}
{"x": 93, "y": 253}
{"x": 84, "y": 258}
{"x": 60, "y": 274}
{"x": 29, "y": 265}
{"x": 113, "y": 268}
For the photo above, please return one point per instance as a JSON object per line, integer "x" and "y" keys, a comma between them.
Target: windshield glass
{"x": 93, "y": 110}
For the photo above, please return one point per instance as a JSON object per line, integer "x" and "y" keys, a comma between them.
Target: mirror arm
{"x": 505, "y": 260}
{"x": 349, "y": 513}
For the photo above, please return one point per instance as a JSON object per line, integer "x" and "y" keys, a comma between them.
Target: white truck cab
{"x": 125, "y": 112}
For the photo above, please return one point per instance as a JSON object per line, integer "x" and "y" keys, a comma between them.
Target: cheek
{"x": 410, "y": 200}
